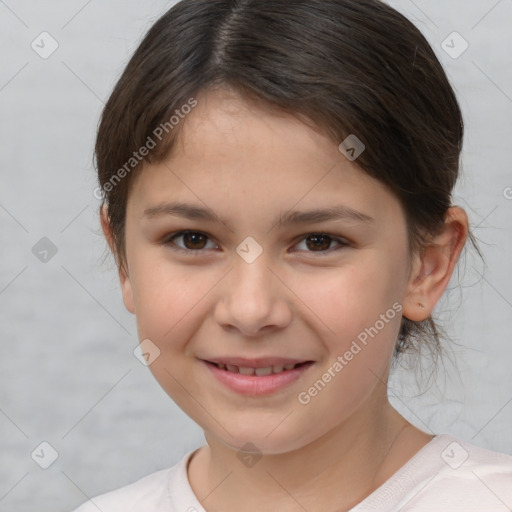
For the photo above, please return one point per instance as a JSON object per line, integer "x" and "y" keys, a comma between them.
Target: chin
{"x": 263, "y": 438}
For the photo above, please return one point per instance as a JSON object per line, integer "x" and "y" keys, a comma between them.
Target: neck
{"x": 341, "y": 468}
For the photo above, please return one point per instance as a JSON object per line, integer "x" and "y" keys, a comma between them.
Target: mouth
{"x": 260, "y": 371}
{"x": 254, "y": 377}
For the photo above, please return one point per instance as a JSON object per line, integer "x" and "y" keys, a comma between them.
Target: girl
{"x": 277, "y": 180}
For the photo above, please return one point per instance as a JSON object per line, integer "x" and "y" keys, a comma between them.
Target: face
{"x": 269, "y": 325}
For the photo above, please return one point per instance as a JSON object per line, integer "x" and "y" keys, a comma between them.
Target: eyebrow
{"x": 194, "y": 212}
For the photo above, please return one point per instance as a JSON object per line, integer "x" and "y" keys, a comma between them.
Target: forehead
{"x": 240, "y": 156}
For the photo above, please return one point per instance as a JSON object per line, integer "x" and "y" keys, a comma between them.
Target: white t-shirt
{"x": 446, "y": 475}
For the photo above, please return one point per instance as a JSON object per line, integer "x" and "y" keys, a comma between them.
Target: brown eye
{"x": 320, "y": 243}
{"x": 192, "y": 241}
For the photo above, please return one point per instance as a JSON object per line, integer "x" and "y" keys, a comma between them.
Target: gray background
{"x": 68, "y": 375}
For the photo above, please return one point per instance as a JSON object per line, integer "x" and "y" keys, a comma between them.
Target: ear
{"x": 126, "y": 285}
{"x": 432, "y": 270}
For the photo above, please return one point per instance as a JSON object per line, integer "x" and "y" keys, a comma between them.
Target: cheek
{"x": 361, "y": 309}
{"x": 349, "y": 299}
{"x": 168, "y": 299}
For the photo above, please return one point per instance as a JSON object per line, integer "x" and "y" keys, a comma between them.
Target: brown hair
{"x": 347, "y": 66}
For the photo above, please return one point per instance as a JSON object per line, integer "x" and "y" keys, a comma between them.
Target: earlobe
{"x": 126, "y": 286}
{"x": 433, "y": 269}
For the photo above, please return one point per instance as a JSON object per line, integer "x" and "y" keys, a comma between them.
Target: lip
{"x": 253, "y": 385}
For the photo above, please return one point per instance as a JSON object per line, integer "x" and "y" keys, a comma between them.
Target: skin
{"x": 250, "y": 165}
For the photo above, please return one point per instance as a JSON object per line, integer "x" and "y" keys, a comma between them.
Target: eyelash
{"x": 169, "y": 241}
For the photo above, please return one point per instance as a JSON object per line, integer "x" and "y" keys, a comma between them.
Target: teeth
{"x": 264, "y": 371}
{"x": 260, "y": 372}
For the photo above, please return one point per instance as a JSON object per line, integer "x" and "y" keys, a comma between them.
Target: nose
{"x": 253, "y": 300}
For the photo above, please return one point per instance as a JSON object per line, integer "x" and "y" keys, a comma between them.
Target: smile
{"x": 247, "y": 370}
{"x": 256, "y": 377}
